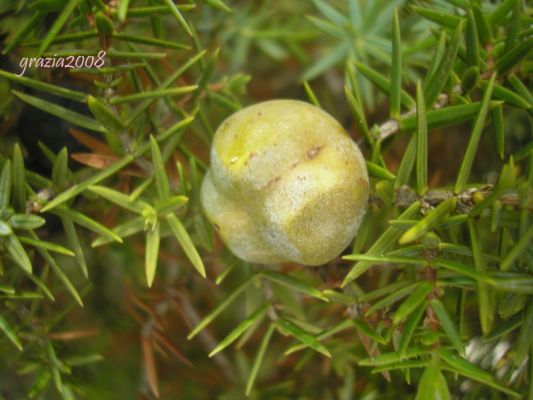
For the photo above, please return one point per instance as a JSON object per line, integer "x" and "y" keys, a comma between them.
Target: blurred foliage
{"x": 104, "y": 249}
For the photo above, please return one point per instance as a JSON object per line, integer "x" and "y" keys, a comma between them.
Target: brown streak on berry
{"x": 272, "y": 181}
{"x": 313, "y": 152}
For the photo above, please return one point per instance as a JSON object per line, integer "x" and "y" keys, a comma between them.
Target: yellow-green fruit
{"x": 286, "y": 183}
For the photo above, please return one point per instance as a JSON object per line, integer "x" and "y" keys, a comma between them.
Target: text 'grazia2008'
{"x": 82, "y": 61}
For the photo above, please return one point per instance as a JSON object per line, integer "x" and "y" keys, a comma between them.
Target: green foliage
{"x": 113, "y": 284}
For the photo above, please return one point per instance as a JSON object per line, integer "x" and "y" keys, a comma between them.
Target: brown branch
{"x": 466, "y": 199}
{"x": 392, "y": 126}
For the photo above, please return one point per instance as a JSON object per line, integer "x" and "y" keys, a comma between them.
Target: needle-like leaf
{"x": 161, "y": 180}
{"x": 298, "y": 333}
{"x": 436, "y": 82}
{"x": 468, "y": 159}
{"x": 486, "y": 315}
{"x": 381, "y": 245}
{"x": 259, "y": 358}
{"x": 396, "y": 68}
{"x": 310, "y": 94}
{"x": 429, "y": 221}
{"x": 421, "y": 142}
{"x": 8, "y": 330}
{"x": 417, "y": 297}
{"x": 186, "y": 243}
{"x": 241, "y": 328}
{"x": 61, "y": 112}
{"x": 177, "y": 14}
{"x": 61, "y": 19}
{"x": 221, "y": 307}
{"x": 293, "y": 283}
{"x": 151, "y": 252}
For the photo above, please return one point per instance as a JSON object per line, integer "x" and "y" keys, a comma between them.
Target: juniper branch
{"x": 466, "y": 199}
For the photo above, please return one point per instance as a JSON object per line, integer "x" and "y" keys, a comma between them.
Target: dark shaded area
{"x": 35, "y": 125}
